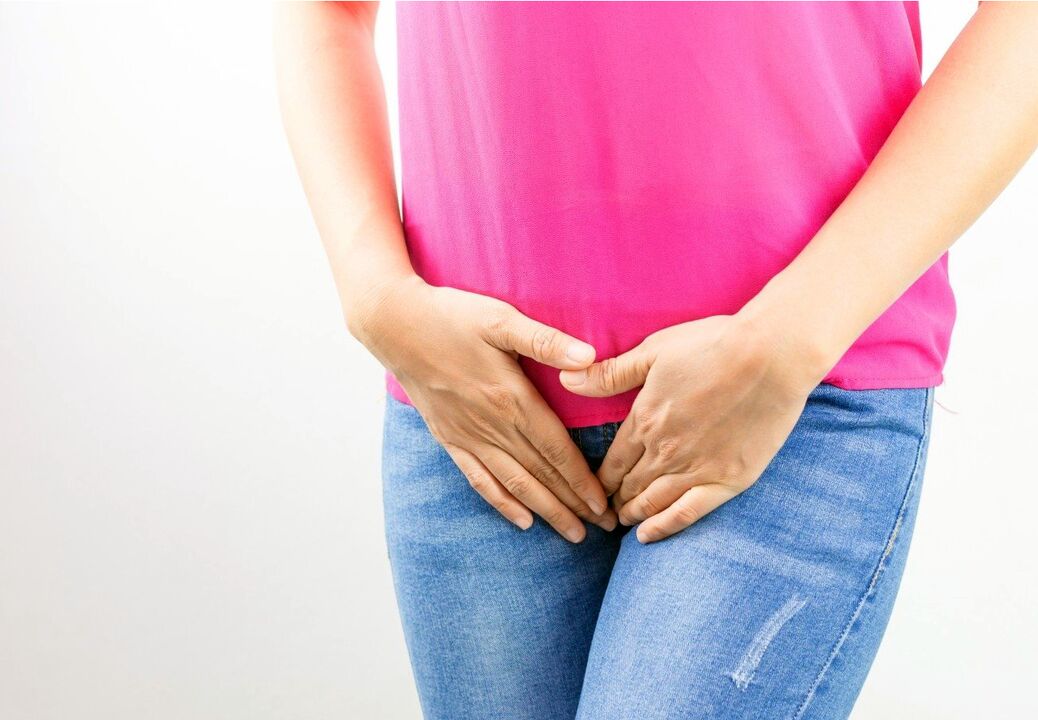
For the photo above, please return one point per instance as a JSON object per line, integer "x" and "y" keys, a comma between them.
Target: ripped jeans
{"x": 772, "y": 606}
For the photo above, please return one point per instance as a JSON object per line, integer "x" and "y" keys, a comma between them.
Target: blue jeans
{"x": 772, "y": 606}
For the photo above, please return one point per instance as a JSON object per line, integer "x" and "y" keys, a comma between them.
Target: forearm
{"x": 334, "y": 112}
{"x": 961, "y": 140}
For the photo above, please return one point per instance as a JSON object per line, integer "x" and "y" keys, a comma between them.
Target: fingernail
{"x": 580, "y": 352}
{"x": 608, "y": 523}
{"x": 575, "y": 534}
{"x": 576, "y": 377}
{"x": 596, "y": 506}
{"x": 523, "y": 523}
{"x": 643, "y": 538}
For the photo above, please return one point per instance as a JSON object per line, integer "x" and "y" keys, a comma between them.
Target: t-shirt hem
{"x": 599, "y": 418}
{"x": 620, "y": 413}
{"x": 844, "y": 383}
{"x": 888, "y": 383}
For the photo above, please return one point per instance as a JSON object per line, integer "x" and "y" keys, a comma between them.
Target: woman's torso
{"x": 615, "y": 168}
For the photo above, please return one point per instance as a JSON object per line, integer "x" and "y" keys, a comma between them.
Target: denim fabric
{"x": 772, "y": 606}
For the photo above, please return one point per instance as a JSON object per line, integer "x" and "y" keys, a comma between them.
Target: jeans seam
{"x": 888, "y": 548}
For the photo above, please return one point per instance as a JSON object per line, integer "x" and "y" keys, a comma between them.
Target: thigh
{"x": 498, "y": 621}
{"x": 772, "y": 606}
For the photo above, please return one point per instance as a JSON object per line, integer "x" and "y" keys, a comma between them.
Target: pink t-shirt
{"x": 614, "y": 168}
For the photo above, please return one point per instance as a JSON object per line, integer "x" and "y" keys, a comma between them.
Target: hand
{"x": 455, "y": 354}
{"x": 720, "y": 397}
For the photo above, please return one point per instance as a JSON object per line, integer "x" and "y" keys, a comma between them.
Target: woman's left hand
{"x": 719, "y": 398}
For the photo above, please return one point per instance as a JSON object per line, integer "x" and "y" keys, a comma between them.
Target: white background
{"x": 190, "y": 516}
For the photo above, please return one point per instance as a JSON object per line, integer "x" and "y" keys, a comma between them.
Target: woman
{"x": 676, "y": 267}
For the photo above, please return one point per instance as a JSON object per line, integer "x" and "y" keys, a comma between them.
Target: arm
{"x": 334, "y": 112}
{"x": 961, "y": 140}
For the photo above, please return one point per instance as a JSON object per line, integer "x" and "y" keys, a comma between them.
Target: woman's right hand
{"x": 455, "y": 353}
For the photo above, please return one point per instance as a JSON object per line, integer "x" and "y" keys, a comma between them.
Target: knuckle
{"x": 616, "y": 463}
{"x": 554, "y": 452}
{"x": 627, "y": 490}
{"x": 521, "y": 418}
{"x": 666, "y": 448}
{"x": 579, "y": 482}
{"x": 543, "y": 341}
{"x": 556, "y": 516}
{"x": 497, "y": 320}
{"x": 687, "y": 513}
{"x": 650, "y": 506}
{"x": 477, "y": 482}
{"x": 645, "y": 419}
{"x": 545, "y": 473}
{"x": 501, "y": 399}
{"x": 482, "y": 425}
{"x": 609, "y": 374}
{"x": 500, "y": 505}
{"x": 518, "y": 484}
{"x": 652, "y": 341}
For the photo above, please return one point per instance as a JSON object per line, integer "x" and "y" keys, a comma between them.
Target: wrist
{"x": 367, "y": 311}
{"x": 801, "y": 350}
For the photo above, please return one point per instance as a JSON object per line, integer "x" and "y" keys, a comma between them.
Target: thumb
{"x": 512, "y": 331}
{"x": 611, "y": 376}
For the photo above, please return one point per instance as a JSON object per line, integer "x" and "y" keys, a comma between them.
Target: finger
{"x": 686, "y": 510}
{"x": 538, "y": 466}
{"x": 623, "y": 454}
{"x": 657, "y": 497}
{"x": 512, "y": 331}
{"x": 612, "y": 375}
{"x": 484, "y": 483}
{"x": 525, "y": 488}
{"x": 644, "y": 473}
{"x": 545, "y": 432}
